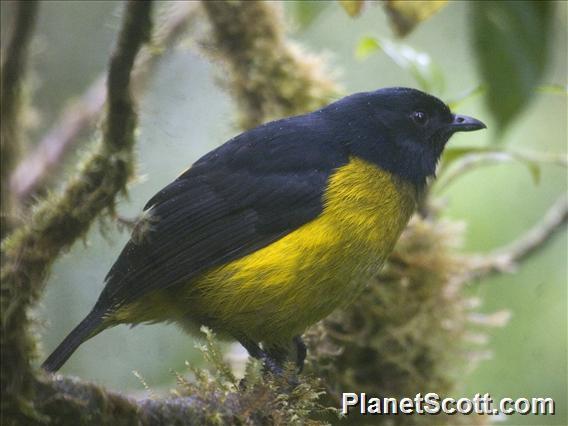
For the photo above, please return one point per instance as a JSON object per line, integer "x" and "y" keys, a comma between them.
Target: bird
{"x": 275, "y": 229}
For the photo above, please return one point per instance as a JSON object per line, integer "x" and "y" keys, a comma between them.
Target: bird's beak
{"x": 463, "y": 123}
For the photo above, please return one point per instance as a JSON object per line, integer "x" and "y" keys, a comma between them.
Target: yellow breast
{"x": 278, "y": 291}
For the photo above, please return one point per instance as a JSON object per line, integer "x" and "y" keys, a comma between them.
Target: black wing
{"x": 240, "y": 197}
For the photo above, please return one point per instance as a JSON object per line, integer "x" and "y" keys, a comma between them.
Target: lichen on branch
{"x": 60, "y": 220}
{"x": 269, "y": 76}
{"x": 33, "y": 172}
{"x": 214, "y": 398}
{"x": 12, "y": 74}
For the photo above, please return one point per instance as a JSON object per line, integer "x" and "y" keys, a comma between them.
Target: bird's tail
{"x": 84, "y": 331}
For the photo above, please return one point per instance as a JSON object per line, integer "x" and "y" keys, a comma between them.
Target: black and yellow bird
{"x": 272, "y": 231}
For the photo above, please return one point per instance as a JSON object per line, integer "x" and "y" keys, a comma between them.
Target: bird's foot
{"x": 273, "y": 361}
{"x": 301, "y": 352}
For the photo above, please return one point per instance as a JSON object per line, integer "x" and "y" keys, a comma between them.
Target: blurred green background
{"x": 184, "y": 114}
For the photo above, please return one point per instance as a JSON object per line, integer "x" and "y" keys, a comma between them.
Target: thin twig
{"x": 12, "y": 75}
{"x": 58, "y": 222}
{"x": 33, "y": 169}
{"x": 49, "y": 153}
{"x": 506, "y": 258}
{"x": 474, "y": 160}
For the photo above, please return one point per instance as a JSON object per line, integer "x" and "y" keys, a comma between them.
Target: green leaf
{"x": 366, "y": 46}
{"x": 427, "y": 73}
{"x": 510, "y": 39}
{"x": 303, "y": 13}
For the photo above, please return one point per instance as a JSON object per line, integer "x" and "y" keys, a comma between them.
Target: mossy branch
{"x": 69, "y": 401}
{"x": 60, "y": 220}
{"x": 12, "y": 75}
{"x": 269, "y": 77}
{"x": 31, "y": 173}
{"x": 34, "y": 247}
{"x": 208, "y": 399}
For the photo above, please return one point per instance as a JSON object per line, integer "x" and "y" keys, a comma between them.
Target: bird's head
{"x": 401, "y": 130}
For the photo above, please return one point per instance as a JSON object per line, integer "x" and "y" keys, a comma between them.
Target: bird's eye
{"x": 419, "y": 117}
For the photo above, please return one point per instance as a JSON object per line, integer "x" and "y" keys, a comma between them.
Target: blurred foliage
{"x": 406, "y": 14}
{"x": 511, "y": 44}
{"x": 352, "y": 7}
{"x": 303, "y": 13}
{"x": 510, "y": 39}
{"x": 427, "y": 74}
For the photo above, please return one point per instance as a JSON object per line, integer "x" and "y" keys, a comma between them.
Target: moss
{"x": 11, "y": 81}
{"x": 60, "y": 220}
{"x": 268, "y": 76}
{"x": 259, "y": 398}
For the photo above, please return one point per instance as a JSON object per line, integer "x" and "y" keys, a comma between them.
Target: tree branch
{"x": 70, "y": 401}
{"x": 32, "y": 171}
{"x": 269, "y": 77}
{"x": 208, "y": 400}
{"x": 59, "y": 221}
{"x": 12, "y": 76}
{"x": 506, "y": 258}
{"x": 475, "y": 160}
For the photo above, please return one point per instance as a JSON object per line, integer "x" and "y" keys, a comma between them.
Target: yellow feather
{"x": 276, "y": 292}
